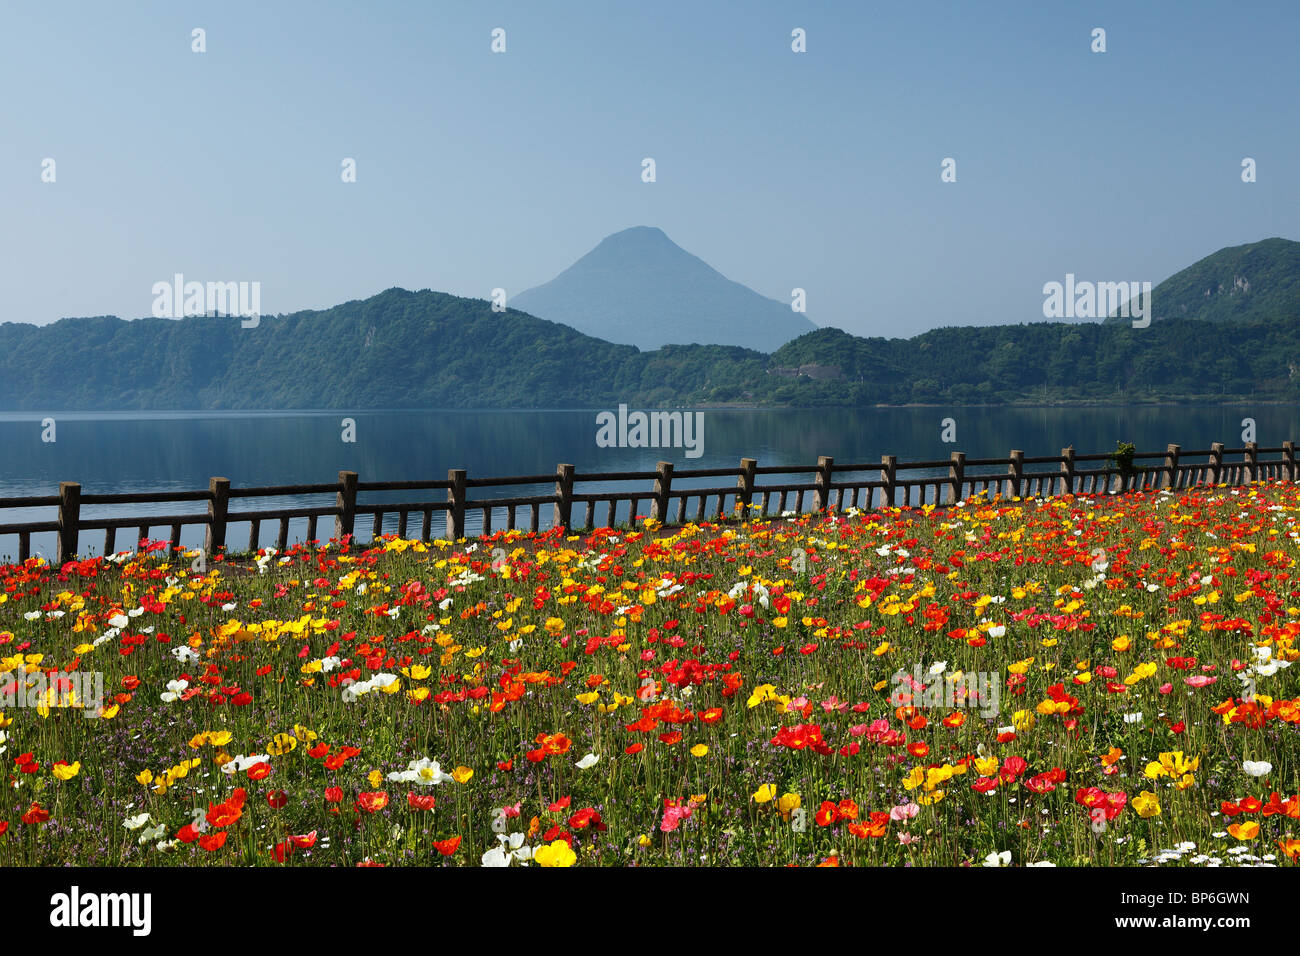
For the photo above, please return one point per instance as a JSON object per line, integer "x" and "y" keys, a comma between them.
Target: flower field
{"x": 1067, "y": 681}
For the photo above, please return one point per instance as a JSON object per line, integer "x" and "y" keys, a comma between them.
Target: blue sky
{"x": 477, "y": 170}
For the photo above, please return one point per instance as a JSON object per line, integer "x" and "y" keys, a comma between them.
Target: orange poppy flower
{"x": 1244, "y": 831}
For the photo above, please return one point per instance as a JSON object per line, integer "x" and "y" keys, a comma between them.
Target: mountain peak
{"x": 638, "y": 287}
{"x": 639, "y": 248}
{"x": 637, "y": 234}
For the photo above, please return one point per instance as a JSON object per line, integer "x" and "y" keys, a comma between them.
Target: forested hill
{"x": 426, "y": 349}
{"x": 1251, "y": 283}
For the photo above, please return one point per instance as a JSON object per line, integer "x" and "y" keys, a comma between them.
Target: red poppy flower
{"x": 1040, "y": 783}
{"x": 334, "y": 794}
{"x": 827, "y": 814}
{"x": 421, "y": 801}
{"x": 213, "y": 841}
{"x": 277, "y": 799}
{"x": 585, "y": 818}
{"x": 372, "y": 802}
{"x": 259, "y": 771}
{"x": 1012, "y": 768}
{"x": 224, "y": 814}
{"x": 35, "y": 814}
{"x": 447, "y": 847}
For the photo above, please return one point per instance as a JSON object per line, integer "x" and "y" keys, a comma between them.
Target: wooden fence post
{"x": 956, "y": 476}
{"x": 1170, "y": 478}
{"x": 1252, "y": 463}
{"x": 69, "y": 520}
{"x": 1216, "y": 462}
{"x": 218, "y": 508}
{"x": 346, "y": 501}
{"x": 456, "y": 500}
{"x": 563, "y": 497}
{"x": 745, "y": 482}
{"x": 1067, "y": 470}
{"x": 822, "y": 494}
{"x": 663, "y": 485}
{"x": 889, "y": 474}
{"x": 1017, "y": 470}
{"x": 1288, "y": 452}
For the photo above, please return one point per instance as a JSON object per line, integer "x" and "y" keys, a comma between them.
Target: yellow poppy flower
{"x": 558, "y": 853}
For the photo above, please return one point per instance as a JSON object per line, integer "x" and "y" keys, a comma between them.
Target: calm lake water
{"x": 168, "y": 451}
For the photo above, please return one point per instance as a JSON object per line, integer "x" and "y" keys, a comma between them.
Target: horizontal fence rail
{"x": 826, "y": 486}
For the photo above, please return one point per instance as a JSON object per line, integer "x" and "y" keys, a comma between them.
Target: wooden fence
{"x": 832, "y": 486}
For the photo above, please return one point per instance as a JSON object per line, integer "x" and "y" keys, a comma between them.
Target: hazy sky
{"x": 477, "y": 170}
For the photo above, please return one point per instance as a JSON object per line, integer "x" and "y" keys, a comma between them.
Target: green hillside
{"x": 426, "y": 349}
{"x": 1252, "y": 283}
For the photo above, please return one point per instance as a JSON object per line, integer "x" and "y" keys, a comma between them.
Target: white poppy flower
{"x": 239, "y": 765}
{"x": 496, "y": 857}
